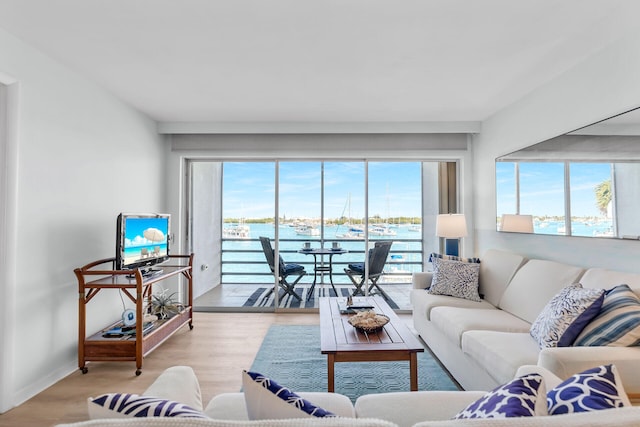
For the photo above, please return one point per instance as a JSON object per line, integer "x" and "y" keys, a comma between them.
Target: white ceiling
{"x": 319, "y": 60}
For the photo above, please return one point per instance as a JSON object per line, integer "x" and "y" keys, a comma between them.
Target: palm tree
{"x": 603, "y": 195}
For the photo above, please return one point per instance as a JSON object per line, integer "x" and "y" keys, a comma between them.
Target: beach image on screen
{"x": 145, "y": 239}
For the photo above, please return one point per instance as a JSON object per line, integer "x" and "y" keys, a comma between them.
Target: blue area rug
{"x": 290, "y": 355}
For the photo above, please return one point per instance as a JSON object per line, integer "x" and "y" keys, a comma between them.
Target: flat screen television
{"x": 142, "y": 241}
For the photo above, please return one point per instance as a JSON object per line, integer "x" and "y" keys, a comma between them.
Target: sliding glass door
{"x": 320, "y": 216}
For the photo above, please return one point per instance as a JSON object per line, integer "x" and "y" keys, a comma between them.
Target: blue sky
{"x": 394, "y": 188}
{"x": 542, "y": 187}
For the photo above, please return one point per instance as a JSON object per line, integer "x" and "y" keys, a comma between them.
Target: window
{"x": 564, "y": 198}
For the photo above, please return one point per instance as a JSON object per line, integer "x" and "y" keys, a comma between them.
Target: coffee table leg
{"x": 413, "y": 371}
{"x": 330, "y": 373}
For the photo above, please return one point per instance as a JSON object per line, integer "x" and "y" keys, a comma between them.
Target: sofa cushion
{"x": 266, "y": 399}
{"x": 425, "y": 302}
{"x": 607, "y": 279}
{"x": 125, "y": 405}
{"x": 500, "y": 353}
{"x": 564, "y": 317}
{"x": 232, "y": 406}
{"x": 409, "y": 407}
{"x": 455, "y": 278}
{"x": 534, "y": 284}
{"x": 496, "y": 270}
{"x": 521, "y": 397}
{"x": 617, "y": 323}
{"x": 592, "y": 390}
{"x": 455, "y": 321}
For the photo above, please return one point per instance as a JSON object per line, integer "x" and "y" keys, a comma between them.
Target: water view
{"x": 244, "y": 261}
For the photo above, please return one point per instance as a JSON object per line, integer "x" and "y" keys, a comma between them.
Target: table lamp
{"x": 513, "y": 223}
{"x": 452, "y": 227}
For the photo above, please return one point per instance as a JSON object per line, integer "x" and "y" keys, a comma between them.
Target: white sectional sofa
{"x": 483, "y": 343}
{"x": 402, "y": 409}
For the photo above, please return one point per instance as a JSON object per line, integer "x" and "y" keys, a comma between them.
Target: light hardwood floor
{"x": 218, "y": 348}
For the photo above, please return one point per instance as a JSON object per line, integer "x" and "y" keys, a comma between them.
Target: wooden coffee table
{"x": 341, "y": 342}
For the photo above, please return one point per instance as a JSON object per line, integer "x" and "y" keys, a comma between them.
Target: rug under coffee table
{"x": 341, "y": 342}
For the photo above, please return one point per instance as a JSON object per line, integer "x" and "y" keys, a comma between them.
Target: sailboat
{"x": 383, "y": 229}
{"x": 354, "y": 231}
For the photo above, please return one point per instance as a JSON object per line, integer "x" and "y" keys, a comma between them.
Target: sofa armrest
{"x": 177, "y": 383}
{"x": 408, "y": 408}
{"x": 566, "y": 361}
{"x": 421, "y": 280}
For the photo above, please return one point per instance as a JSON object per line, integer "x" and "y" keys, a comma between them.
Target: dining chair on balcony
{"x": 285, "y": 270}
{"x": 377, "y": 259}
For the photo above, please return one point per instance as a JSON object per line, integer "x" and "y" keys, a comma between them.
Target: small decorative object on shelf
{"x": 368, "y": 321}
{"x": 164, "y": 306}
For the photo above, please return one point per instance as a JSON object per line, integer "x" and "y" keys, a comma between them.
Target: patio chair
{"x": 377, "y": 259}
{"x": 286, "y": 270}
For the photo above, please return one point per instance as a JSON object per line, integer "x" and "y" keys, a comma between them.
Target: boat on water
{"x": 307, "y": 230}
{"x": 353, "y": 232}
{"x": 381, "y": 230}
{"x": 236, "y": 231}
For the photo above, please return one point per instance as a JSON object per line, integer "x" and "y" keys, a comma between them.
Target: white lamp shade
{"x": 451, "y": 226}
{"x": 517, "y": 223}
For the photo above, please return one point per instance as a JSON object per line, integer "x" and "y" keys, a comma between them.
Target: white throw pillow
{"x": 266, "y": 399}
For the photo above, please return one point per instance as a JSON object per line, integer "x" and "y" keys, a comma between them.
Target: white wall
{"x": 602, "y": 86}
{"x": 83, "y": 156}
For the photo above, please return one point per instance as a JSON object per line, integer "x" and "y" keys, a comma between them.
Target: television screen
{"x": 142, "y": 240}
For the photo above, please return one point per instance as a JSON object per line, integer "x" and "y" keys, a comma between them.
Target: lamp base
{"x": 451, "y": 247}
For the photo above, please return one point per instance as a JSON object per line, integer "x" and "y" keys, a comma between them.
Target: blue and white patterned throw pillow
{"x": 266, "y": 399}
{"x": 455, "y": 278}
{"x": 617, "y": 323}
{"x": 521, "y": 397}
{"x": 592, "y": 390}
{"x": 125, "y": 405}
{"x": 566, "y": 315}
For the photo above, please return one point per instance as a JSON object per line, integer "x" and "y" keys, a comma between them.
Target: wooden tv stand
{"x": 92, "y": 278}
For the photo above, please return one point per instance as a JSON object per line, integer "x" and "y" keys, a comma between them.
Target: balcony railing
{"x": 243, "y": 261}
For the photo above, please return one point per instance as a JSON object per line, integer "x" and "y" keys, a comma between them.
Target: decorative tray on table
{"x": 368, "y": 321}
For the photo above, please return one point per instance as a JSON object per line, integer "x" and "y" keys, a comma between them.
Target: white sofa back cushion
{"x": 177, "y": 383}
{"x": 533, "y": 286}
{"x": 496, "y": 270}
{"x": 607, "y": 279}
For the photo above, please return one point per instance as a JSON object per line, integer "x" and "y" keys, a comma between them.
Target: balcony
{"x": 245, "y": 271}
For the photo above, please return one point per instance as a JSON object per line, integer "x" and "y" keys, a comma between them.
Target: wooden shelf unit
{"x": 94, "y": 277}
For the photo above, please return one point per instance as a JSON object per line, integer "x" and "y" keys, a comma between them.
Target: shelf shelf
{"x": 128, "y": 348}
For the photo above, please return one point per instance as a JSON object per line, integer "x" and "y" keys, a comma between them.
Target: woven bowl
{"x": 360, "y": 325}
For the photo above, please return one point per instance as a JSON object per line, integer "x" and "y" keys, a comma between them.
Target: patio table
{"x": 319, "y": 267}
